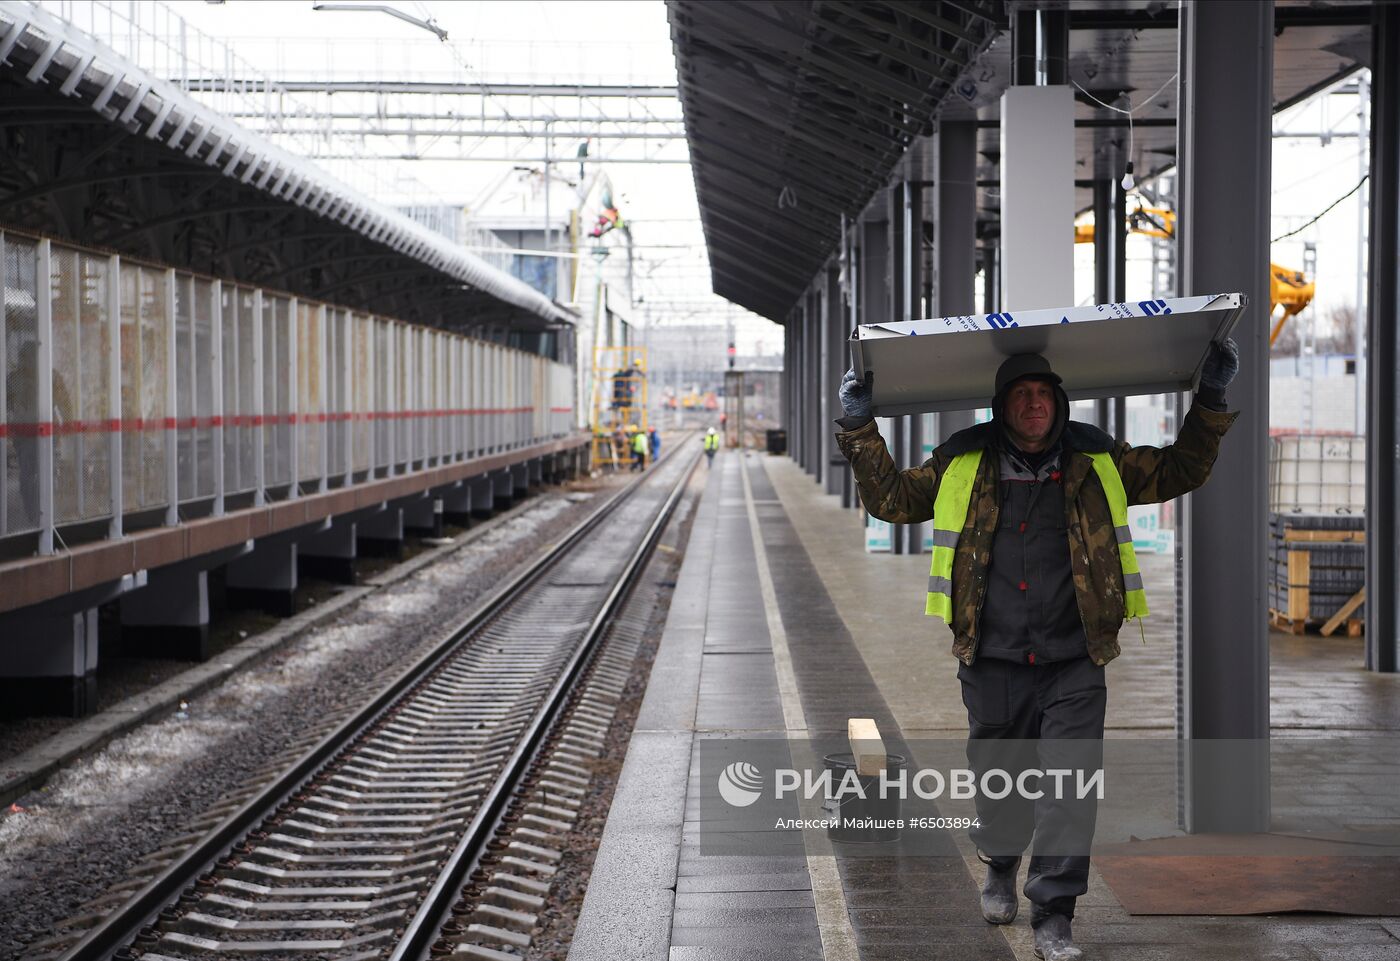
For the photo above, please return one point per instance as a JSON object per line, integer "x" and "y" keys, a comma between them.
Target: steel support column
{"x": 789, "y": 381}
{"x": 795, "y": 360}
{"x": 955, "y": 237}
{"x": 1225, "y": 138}
{"x": 837, "y": 474}
{"x": 812, "y": 335}
{"x": 911, "y": 308}
{"x": 873, "y": 292}
{"x": 854, "y": 240}
{"x": 991, "y": 278}
{"x": 1103, "y": 270}
{"x": 896, "y": 272}
{"x": 1383, "y": 364}
{"x": 1118, "y": 281}
{"x": 822, "y": 438}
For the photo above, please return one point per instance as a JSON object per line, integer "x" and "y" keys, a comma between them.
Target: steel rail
{"x": 423, "y": 929}
{"x": 121, "y": 926}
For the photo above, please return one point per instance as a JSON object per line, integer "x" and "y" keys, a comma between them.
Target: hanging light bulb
{"x": 1128, "y": 182}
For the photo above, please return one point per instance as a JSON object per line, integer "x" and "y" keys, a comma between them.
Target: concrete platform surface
{"x": 783, "y": 626}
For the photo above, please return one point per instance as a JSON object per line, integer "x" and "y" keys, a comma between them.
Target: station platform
{"x": 781, "y": 625}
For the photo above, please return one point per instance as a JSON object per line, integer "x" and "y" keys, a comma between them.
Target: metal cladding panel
{"x": 250, "y": 441}
{"x": 238, "y": 410}
{"x": 277, "y": 390}
{"x": 360, "y": 359}
{"x": 383, "y": 394}
{"x": 145, "y": 367}
{"x": 310, "y": 414}
{"x": 185, "y": 354}
{"x": 82, "y": 454}
{"x": 475, "y": 398}
{"x": 201, "y": 372}
{"x": 334, "y": 373}
{"x": 1108, "y": 350}
{"x": 19, "y": 377}
{"x": 403, "y": 402}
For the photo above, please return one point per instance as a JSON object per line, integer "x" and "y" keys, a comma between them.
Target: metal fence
{"x": 131, "y": 389}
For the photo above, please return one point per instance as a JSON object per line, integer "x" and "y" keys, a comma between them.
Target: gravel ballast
{"x": 65, "y": 844}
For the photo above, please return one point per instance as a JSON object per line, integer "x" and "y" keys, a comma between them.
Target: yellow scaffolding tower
{"x": 619, "y": 402}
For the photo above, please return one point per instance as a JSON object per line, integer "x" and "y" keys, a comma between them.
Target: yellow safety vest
{"x": 639, "y": 443}
{"x": 712, "y": 442}
{"x": 950, "y": 513}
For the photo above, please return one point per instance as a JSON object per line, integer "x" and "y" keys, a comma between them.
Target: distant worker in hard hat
{"x": 1034, "y": 571}
{"x": 639, "y": 451}
{"x": 711, "y": 445}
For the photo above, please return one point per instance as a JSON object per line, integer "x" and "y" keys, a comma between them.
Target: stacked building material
{"x": 1317, "y": 564}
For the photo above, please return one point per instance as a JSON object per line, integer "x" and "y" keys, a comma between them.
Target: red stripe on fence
{"x": 138, "y": 424}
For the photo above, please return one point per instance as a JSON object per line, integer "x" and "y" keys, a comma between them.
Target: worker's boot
{"x": 999, "y": 901}
{"x": 1053, "y": 940}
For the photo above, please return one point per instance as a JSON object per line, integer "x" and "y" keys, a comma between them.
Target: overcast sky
{"x": 628, "y": 41}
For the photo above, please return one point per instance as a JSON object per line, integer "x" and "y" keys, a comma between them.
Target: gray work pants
{"x": 1042, "y": 716}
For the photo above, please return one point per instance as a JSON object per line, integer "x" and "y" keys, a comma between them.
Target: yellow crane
{"x": 1288, "y": 288}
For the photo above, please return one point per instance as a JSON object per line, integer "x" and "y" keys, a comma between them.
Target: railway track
{"x": 423, "y": 824}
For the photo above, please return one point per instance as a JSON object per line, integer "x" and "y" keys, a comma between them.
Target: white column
{"x": 1037, "y": 198}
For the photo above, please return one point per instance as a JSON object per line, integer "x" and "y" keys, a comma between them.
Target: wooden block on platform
{"x": 1335, "y": 621}
{"x": 1283, "y": 622}
{"x": 866, "y": 745}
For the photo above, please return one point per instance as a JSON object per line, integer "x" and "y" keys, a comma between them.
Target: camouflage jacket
{"x": 1150, "y": 475}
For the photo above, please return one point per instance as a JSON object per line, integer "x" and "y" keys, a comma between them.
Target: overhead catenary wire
{"x": 1325, "y": 211}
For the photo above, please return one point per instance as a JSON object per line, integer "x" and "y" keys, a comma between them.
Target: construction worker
{"x": 639, "y": 450}
{"x": 1034, "y": 571}
{"x": 655, "y": 440}
{"x": 711, "y": 445}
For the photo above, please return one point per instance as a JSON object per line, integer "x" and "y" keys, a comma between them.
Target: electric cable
{"x": 1128, "y": 170}
{"x": 1325, "y": 211}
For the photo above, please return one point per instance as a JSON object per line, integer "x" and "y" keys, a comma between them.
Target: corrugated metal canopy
{"x": 796, "y": 113}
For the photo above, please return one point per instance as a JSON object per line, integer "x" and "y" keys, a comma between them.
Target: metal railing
{"x": 133, "y": 389}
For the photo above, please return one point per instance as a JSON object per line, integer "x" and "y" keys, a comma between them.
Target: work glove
{"x": 856, "y": 399}
{"x": 1221, "y": 366}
